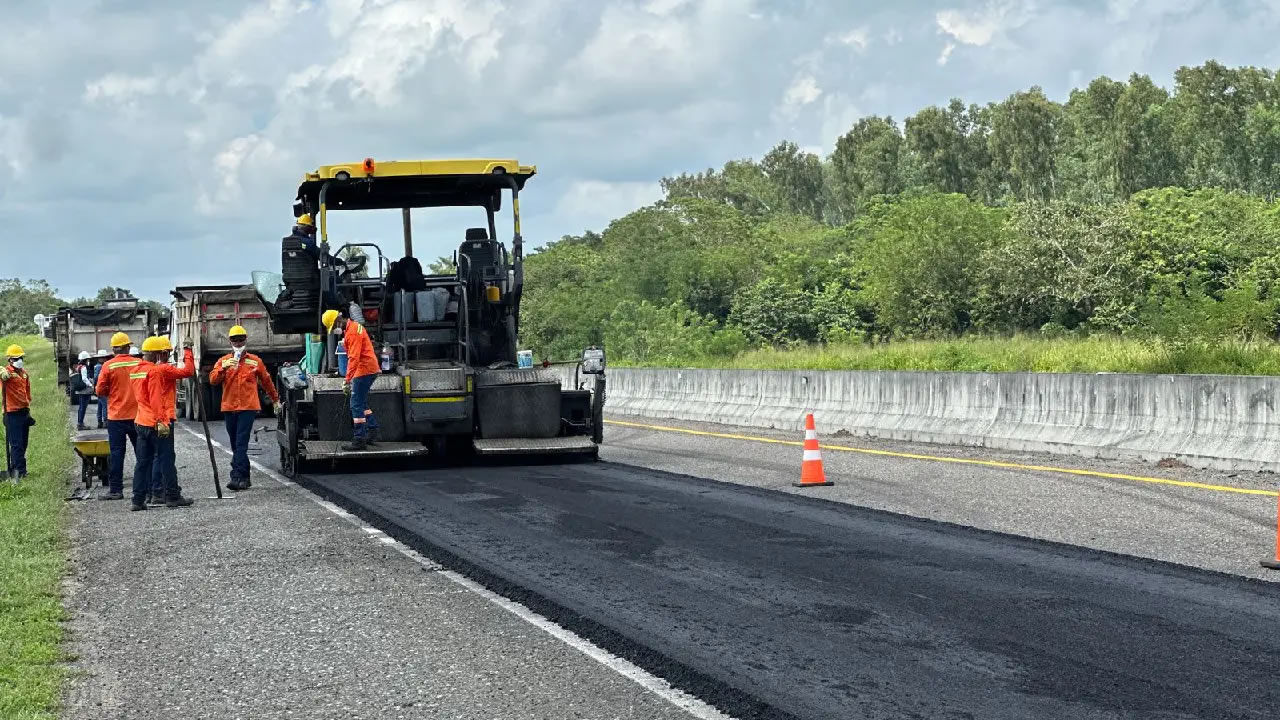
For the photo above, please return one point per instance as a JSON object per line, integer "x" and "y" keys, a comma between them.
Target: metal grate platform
{"x": 325, "y": 449}
{"x": 529, "y": 446}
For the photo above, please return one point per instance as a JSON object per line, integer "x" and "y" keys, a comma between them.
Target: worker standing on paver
{"x": 113, "y": 384}
{"x": 15, "y": 391}
{"x": 362, "y": 370}
{"x": 157, "y": 410}
{"x": 240, "y": 373}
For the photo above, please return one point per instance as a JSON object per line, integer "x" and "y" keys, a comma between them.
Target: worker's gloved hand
{"x": 188, "y": 344}
{"x": 162, "y": 429}
{"x": 276, "y": 408}
{"x": 231, "y": 363}
{"x": 346, "y": 389}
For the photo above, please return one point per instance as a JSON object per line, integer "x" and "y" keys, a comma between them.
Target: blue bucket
{"x": 342, "y": 360}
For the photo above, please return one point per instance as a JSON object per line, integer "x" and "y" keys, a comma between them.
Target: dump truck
{"x": 451, "y": 383}
{"x": 204, "y": 313}
{"x": 90, "y": 327}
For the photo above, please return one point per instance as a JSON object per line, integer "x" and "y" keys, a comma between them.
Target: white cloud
{"x": 858, "y": 38}
{"x": 598, "y": 202}
{"x": 803, "y": 90}
{"x": 892, "y": 36}
{"x": 946, "y": 53}
{"x": 119, "y": 87}
{"x": 982, "y": 25}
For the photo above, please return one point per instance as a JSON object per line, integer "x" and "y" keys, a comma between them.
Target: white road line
{"x": 625, "y": 668}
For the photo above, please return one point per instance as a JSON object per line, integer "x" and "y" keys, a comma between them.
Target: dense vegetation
{"x": 1126, "y": 211}
{"x": 21, "y": 300}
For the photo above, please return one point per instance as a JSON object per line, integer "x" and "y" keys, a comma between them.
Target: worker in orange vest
{"x": 362, "y": 370}
{"x": 114, "y": 385}
{"x": 240, "y": 373}
{"x": 157, "y": 403}
{"x": 15, "y": 393}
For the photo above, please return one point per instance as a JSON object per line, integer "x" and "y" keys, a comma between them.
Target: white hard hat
{"x": 102, "y": 353}
{"x": 84, "y": 355}
{"x": 133, "y": 350}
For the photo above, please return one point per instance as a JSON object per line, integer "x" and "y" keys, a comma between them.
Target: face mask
{"x": 16, "y": 363}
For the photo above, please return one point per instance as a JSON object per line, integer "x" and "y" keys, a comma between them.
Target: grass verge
{"x": 1018, "y": 354}
{"x": 32, "y": 551}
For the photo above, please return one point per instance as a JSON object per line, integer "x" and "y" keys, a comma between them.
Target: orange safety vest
{"x": 17, "y": 388}
{"x": 158, "y": 391}
{"x": 115, "y": 384}
{"x": 240, "y": 382}
{"x": 361, "y": 359}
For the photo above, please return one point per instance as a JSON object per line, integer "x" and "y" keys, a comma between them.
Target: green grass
{"x": 33, "y": 552}
{"x": 1018, "y": 354}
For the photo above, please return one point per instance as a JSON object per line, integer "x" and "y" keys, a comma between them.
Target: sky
{"x": 155, "y": 143}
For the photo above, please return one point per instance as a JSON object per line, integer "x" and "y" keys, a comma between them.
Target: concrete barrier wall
{"x": 1214, "y": 421}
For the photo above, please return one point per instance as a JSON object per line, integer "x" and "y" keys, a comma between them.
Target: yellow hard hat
{"x": 236, "y": 330}
{"x": 156, "y": 343}
{"x": 329, "y": 318}
{"x": 14, "y": 351}
{"x": 120, "y": 339}
{"x": 305, "y": 219}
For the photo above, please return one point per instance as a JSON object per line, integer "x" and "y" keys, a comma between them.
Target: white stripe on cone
{"x": 810, "y": 434}
{"x": 810, "y": 455}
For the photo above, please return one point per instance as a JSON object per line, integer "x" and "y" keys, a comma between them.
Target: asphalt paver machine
{"x": 450, "y": 381}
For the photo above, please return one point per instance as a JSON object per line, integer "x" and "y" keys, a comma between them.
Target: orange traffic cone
{"x": 1275, "y": 564}
{"x": 811, "y": 472}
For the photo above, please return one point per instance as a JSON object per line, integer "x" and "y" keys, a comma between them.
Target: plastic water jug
{"x": 524, "y": 359}
{"x": 342, "y": 360}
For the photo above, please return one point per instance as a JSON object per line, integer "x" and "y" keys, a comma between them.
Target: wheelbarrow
{"x": 95, "y": 455}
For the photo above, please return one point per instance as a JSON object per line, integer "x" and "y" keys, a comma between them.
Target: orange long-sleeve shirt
{"x": 158, "y": 391}
{"x": 113, "y": 382}
{"x": 361, "y": 359}
{"x": 17, "y": 388}
{"x": 240, "y": 382}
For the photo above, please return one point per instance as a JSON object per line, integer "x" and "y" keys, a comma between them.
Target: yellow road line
{"x": 959, "y": 461}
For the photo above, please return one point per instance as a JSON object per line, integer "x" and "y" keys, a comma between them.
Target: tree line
{"x": 21, "y": 300}
{"x": 1128, "y": 209}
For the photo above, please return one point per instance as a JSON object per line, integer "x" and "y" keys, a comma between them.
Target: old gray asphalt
{"x": 271, "y": 607}
{"x": 1216, "y": 530}
{"x": 827, "y": 610}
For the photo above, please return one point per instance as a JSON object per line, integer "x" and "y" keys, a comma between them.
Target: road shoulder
{"x": 270, "y": 606}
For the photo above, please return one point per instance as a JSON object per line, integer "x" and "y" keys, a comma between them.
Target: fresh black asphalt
{"x": 774, "y": 605}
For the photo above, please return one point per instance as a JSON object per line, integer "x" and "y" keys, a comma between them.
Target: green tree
{"x": 950, "y": 146}
{"x": 797, "y": 179}
{"x": 22, "y": 300}
{"x": 867, "y": 161}
{"x": 921, "y": 262}
{"x": 1024, "y": 144}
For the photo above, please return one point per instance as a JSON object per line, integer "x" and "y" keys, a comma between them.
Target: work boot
{"x": 178, "y": 501}
{"x": 135, "y": 506}
{"x": 81, "y": 426}
{"x": 245, "y": 484}
{"x": 234, "y": 484}
{"x": 372, "y": 436}
{"x": 356, "y": 445}
{"x": 108, "y": 495}
{"x": 101, "y": 425}
{"x": 155, "y": 499}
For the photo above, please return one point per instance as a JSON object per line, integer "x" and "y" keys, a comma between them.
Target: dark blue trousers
{"x": 16, "y": 433}
{"x": 239, "y": 430}
{"x": 117, "y": 432}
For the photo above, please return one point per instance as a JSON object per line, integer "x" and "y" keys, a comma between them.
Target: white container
{"x": 524, "y": 359}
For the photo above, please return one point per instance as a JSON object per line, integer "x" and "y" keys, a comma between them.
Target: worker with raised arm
{"x": 362, "y": 370}
{"x": 15, "y": 400}
{"x": 157, "y": 410}
{"x": 114, "y": 385}
{"x": 240, "y": 373}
